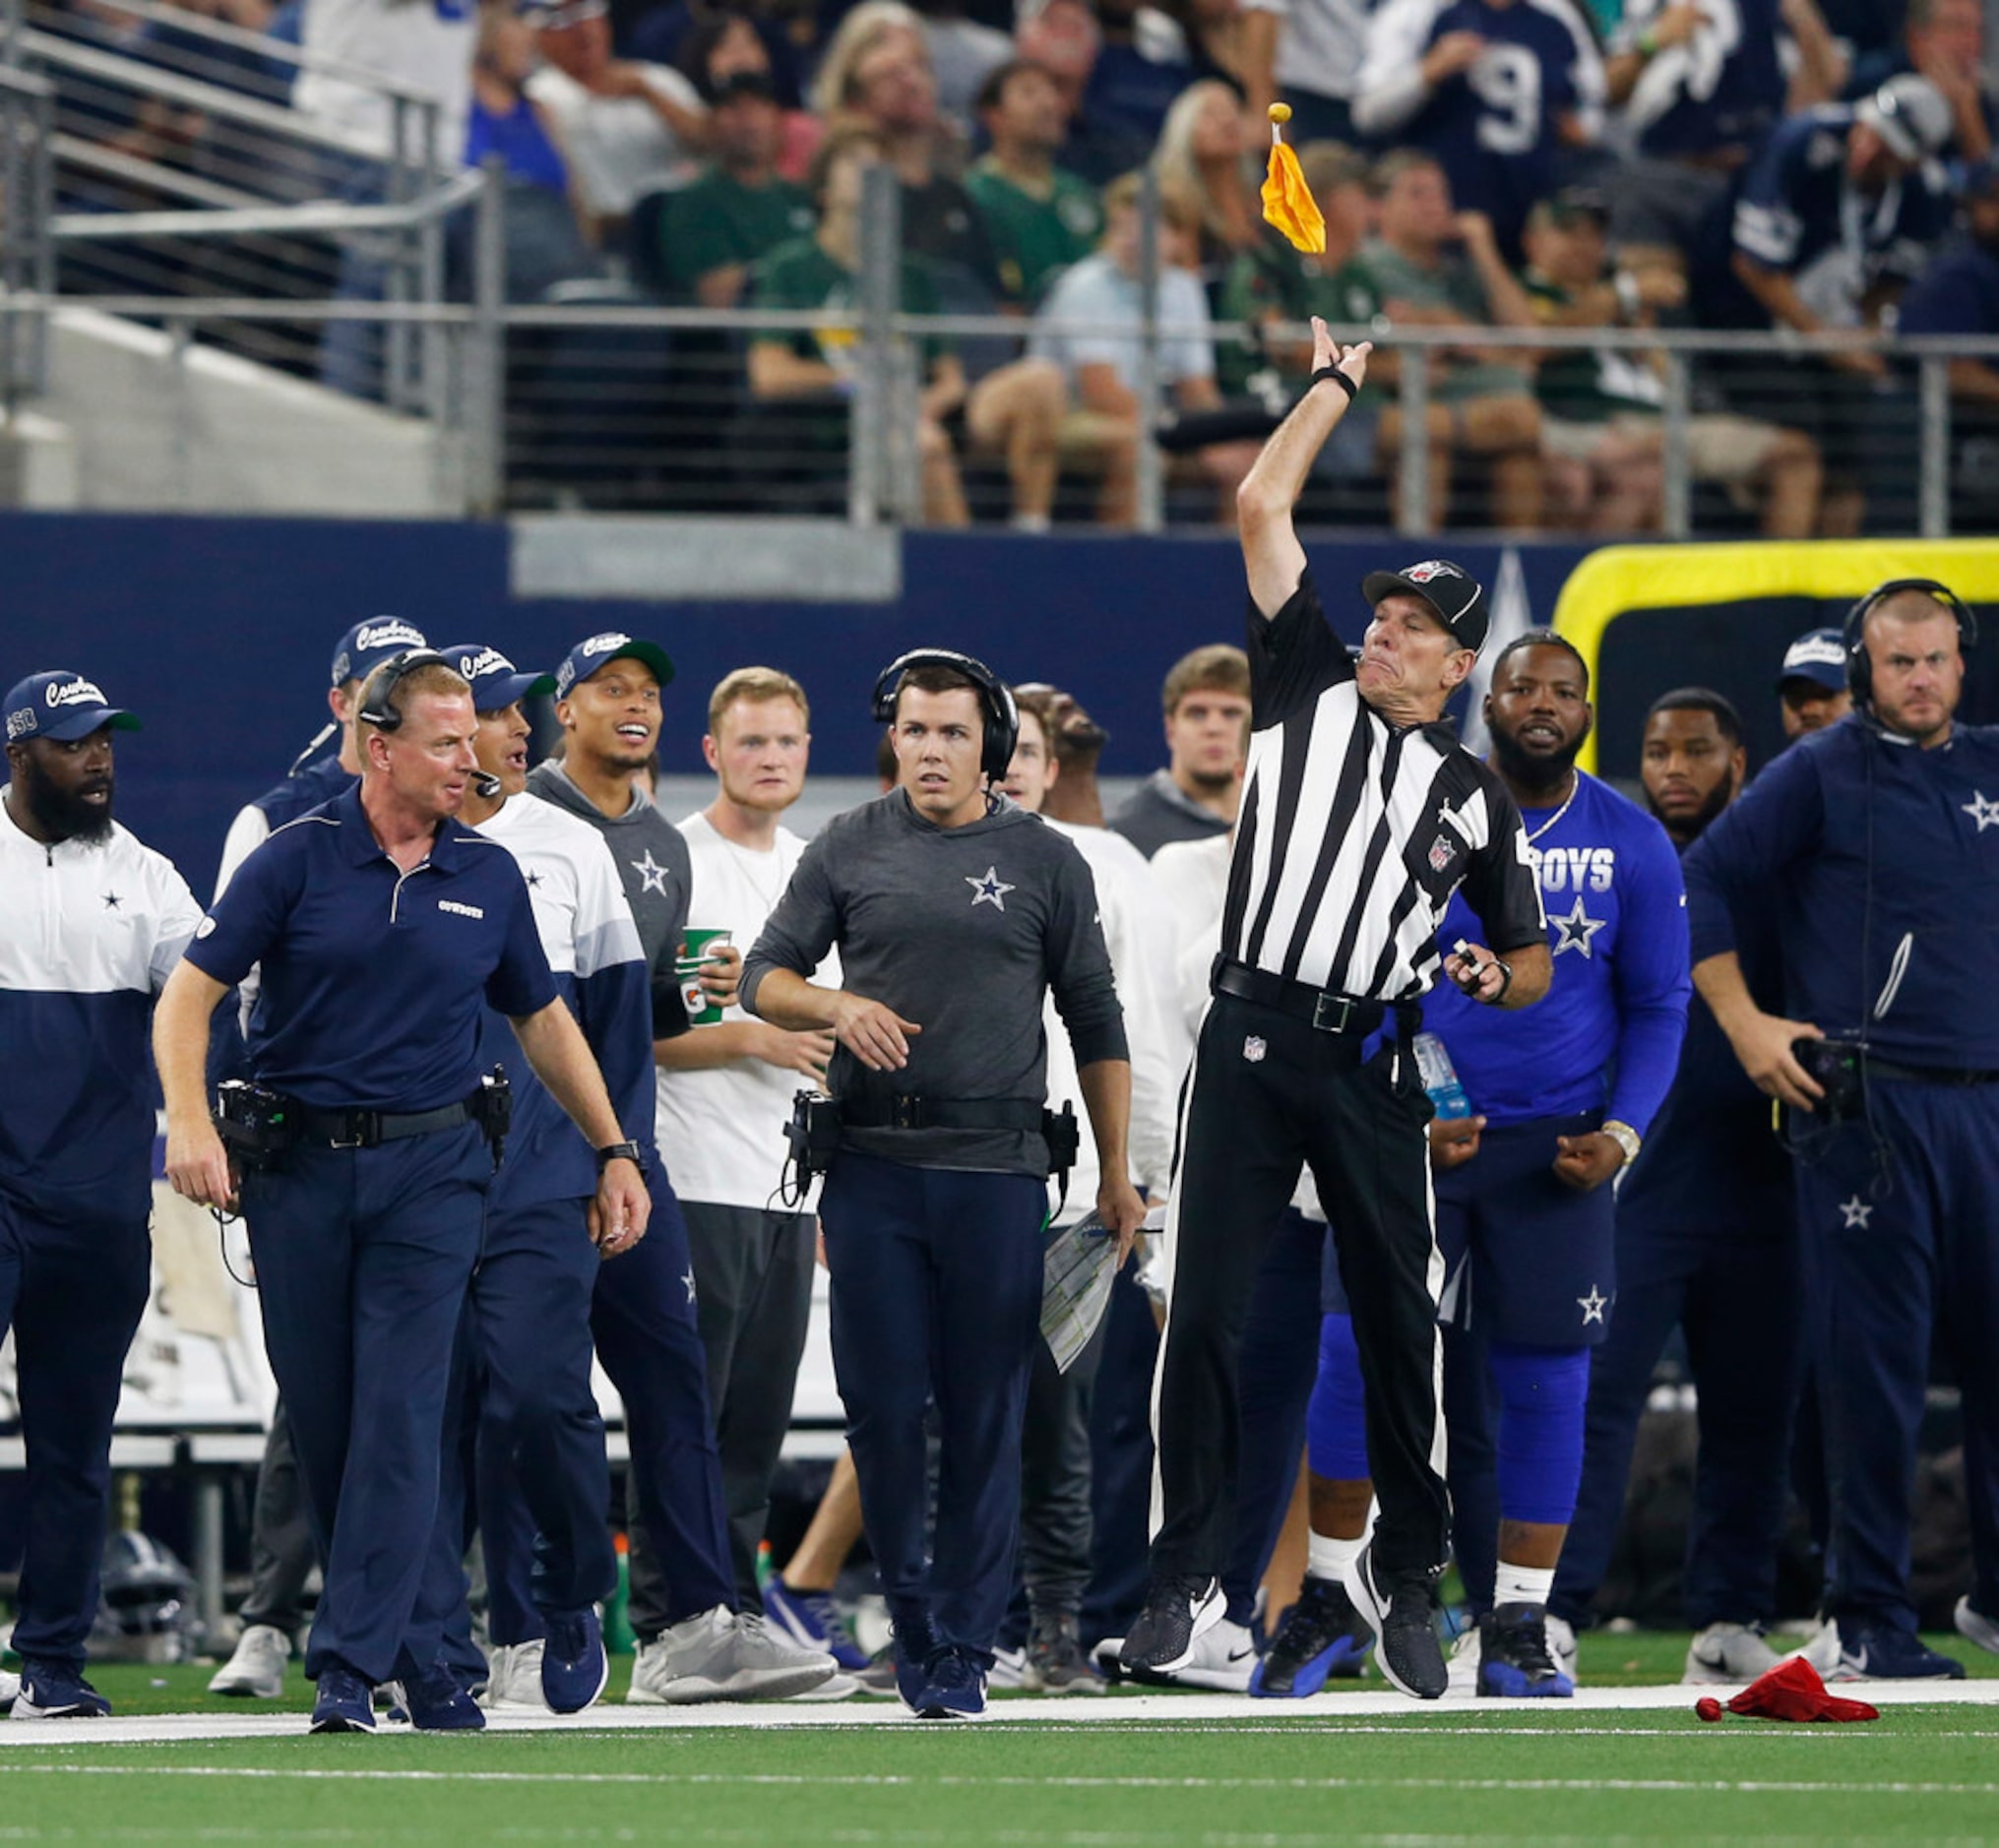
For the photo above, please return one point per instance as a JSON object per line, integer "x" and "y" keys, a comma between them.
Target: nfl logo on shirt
{"x": 1253, "y": 1049}
{"x": 1441, "y": 851}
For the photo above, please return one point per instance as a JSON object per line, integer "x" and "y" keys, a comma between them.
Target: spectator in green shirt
{"x": 738, "y": 210}
{"x": 1602, "y": 423}
{"x": 1440, "y": 268}
{"x": 1040, "y": 219}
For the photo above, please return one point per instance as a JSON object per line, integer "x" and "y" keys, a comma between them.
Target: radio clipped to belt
{"x": 813, "y": 1134}
{"x": 492, "y": 1109}
{"x": 255, "y": 1124}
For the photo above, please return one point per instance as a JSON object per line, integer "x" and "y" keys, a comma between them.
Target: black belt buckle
{"x": 906, "y": 1113}
{"x": 363, "y": 1131}
{"x": 1324, "y": 1016}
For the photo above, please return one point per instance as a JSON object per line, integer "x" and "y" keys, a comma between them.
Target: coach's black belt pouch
{"x": 900, "y": 1112}
{"x": 1319, "y": 1007}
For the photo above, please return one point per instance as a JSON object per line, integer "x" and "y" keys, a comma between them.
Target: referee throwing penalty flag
{"x": 1362, "y": 815}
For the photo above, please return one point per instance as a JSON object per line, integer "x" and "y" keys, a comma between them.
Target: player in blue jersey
{"x": 1876, "y": 843}
{"x": 1524, "y": 1210}
{"x": 1496, "y": 89}
{"x": 282, "y": 1552}
{"x": 1707, "y": 1241}
{"x": 91, "y": 922}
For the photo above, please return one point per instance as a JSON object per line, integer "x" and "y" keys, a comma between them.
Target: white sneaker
{"x": 1821, "y": 1648}
{"x": 1009, "y": 1669}
{"x": 1975, "y": 1626}
{"x": 1561, "y": 1644}
{"x": 10, "y": 1691}
{"x": 1727, "y": 1653}
{"x": 1222, "y": 1660}
{"x": 257, "y": 1669}
{"x": 514, "y": 1676}
{"x": 724, "y": 1655}
{"x": 1465, "y": 1660}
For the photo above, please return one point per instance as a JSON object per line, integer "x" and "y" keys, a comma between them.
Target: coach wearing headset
{"x": 956, "y": 913}
{"x": 1877, "y": 841}
{"x": 384, "y": 928}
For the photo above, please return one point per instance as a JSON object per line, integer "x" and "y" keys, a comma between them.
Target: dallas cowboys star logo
{"x": 1577, "y": 930}
{"x": 1986, "y": 813}
{"x": 990, "y": 890}
{"x": 654, "y": 875}
{"x": 112, "y": 901}
{"x": 1855, "y": 1212}
{"x": 534, "y": 879}
{"x": 688, "y": 1280}
{"x": 1592, "y": 1306}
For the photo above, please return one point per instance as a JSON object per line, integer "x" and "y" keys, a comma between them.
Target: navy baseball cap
{"x": 495, "y": 680}
{"x": 367, "y": 644}
{"x": 62, "y": 705}
{"x": 1820, "y": 656}
{"x": 597, "y": 652}
{"x": 1449, "y": 590}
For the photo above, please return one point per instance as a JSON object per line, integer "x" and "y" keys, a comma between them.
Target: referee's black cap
{"x": 1449, "y": 590}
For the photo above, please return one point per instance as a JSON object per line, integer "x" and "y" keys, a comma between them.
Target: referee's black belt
{"x": 1925, "y": 1074}
{"x": 900, "y": 1112}
{"x": 1323, "y": 1008}
{"x": 367, "y": 1129}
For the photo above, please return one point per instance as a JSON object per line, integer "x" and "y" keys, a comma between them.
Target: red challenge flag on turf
{"x": 1792, "y": 1690}
{"x": 1287, "y": 201}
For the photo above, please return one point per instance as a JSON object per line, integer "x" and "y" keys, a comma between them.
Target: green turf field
{"x": 1546, "y": 1774}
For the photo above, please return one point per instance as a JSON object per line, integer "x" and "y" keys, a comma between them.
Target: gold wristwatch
{"x": 1626, "y": 1139}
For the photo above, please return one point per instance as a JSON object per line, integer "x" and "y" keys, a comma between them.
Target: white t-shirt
{"x": 722, "y": 1131}
{"x": 1095, "y": 293}
{"x": 1320, "y": 44}
{"x": 424, "y": 47}
{"x": 616, "y": 146}
{"x": 1141, "y": 961}
{"x": 581, "y": 912}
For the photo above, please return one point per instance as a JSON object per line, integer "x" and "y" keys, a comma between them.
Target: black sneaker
{"x": 1056, "y": 1662}
{"x": 1514, "y": 1662}
{"x": 1177, "y": 1610}
{"x": 1323, "y": 1635}
{"x": 1402, "y": 1615}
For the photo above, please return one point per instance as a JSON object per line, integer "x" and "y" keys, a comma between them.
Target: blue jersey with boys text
{"x": 1607, "y": 1034}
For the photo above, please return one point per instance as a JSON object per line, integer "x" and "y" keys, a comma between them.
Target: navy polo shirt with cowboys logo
{"x": 374, "y": 980}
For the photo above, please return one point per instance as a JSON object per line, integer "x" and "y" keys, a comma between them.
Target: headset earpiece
{"x": 1860, "y": 664}
{"x": 1002, "y": 717}
{"x": 381, "y": 711}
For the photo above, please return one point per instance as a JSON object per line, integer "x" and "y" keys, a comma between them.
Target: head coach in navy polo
{"x": 384, "y": 928}
{"x": 1876, "y": 841}
{"x": 955, "y": 914}
{"x": 1361, "y": 816}
{"x": 91, "y": 925}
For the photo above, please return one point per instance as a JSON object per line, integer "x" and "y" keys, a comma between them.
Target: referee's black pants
{"x": 1269, "y": 1093}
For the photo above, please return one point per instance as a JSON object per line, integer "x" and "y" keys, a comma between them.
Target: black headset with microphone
{"x": 1002, "y": 729}
{"x": 381, "y": 711}
{"x": 1860, "y": 664}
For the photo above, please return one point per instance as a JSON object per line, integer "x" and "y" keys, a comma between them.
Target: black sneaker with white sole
{"x": 1403, "y": 1614}
{"x": 1178, "y": 1609}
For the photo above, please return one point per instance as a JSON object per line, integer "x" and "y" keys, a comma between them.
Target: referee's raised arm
{"x": 1263, "y": 503}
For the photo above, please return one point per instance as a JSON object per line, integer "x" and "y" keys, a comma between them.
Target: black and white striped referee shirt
{"x": 1354, "y": 832}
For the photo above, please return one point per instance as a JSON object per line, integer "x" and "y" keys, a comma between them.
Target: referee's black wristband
{"x": 1338, "y": 377}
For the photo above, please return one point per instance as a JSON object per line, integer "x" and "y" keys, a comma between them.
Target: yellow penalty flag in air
{"x": 1287, "y": 201}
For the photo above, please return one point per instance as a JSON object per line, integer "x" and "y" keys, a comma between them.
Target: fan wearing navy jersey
{"x": 282, "y": 1556}
{"x": 90, "y": 923}
{"x": 1525, "y": 1206}
{"x": 1498, "y": 90}
{"x": 525, "y": 1347}
{"x": 1706, "y": 1241}
{"x": 384, "y": 927}
{"x": 1876, "y": 843}
{"x": 1361, "y": 816}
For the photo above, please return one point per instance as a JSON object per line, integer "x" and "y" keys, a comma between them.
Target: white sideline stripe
{"x": 1667, "y": 1786}
{"x": 1163, "y": 1714}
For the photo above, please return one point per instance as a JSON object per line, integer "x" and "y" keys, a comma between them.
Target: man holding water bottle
{"x": 1362, "y": 815}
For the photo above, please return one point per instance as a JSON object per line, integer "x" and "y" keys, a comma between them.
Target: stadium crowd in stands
{"x": 1766, "y": 166}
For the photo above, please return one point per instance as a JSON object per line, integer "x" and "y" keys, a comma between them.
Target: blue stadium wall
{"x": 219, "y": 631}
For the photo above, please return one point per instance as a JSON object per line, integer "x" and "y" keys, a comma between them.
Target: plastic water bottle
{"x": 1440, "y": 1076}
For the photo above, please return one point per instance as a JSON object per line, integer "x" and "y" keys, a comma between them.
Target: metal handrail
{"x": 244, "y": 221}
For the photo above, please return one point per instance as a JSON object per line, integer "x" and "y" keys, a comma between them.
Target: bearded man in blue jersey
{"x": 1524, "y": 1206}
